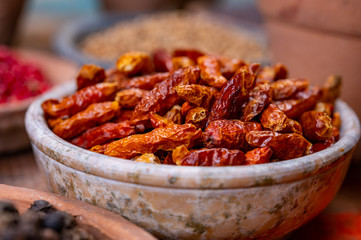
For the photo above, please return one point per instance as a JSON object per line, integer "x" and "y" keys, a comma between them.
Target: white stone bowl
{"x": 265, "y": 201}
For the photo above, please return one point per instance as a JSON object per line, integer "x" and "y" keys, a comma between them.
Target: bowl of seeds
{"x": 101, "y": 39}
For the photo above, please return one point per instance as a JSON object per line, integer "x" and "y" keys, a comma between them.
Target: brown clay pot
{"x": 99, "y": 222}
{"x": 315, "y": 39}
{"x": 13, "y": 136}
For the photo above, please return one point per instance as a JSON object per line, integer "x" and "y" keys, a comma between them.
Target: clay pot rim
{"x": 170, "y": 176}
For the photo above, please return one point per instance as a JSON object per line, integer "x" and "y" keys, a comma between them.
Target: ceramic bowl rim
{"x": 171, "y": 176}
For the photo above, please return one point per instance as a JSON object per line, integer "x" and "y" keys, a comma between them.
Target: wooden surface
{"x": 100, "y": 223}
{"x": 21, "y": 170}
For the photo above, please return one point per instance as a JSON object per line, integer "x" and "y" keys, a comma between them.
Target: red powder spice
{"x": 19, "y": 80}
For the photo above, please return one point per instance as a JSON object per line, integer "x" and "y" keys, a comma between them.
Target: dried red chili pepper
{"x": 124, "y": 115}
{"x": 132, "y": 63}
{"x": 232, "y": 96}
{"x": 292, "y": 126}
{"x": 99, "y": 148}
{"x": 303, "y": 101}
{"x": 281, "y": 71}
{"x": 168, "y": 159}
{"x": 129, "y": 98}
{"x": 253, "y": 68}
{"x": 274, "y": 119}
{"x": 178, "y": 154}
{"x": 258, "y": 156}
{"x": 324, "y": 107}
{"x": 229, "y": 66}
{"x": 319, "y": 146}
{"x": 164, "y": 96}
{"x": 211, "y": 71}
{"x": 260, "y": 96}
{"x": 158, "y": 121}
{"x": 96, "y": 113}
{"x": 336, "y": 120}
{"x": 284, "y": 145}
{"x": 190, "y": 53}
{"x": 186, "y": 107}
{"x": 167, "y": 139}
{"x": 90, "y": 75}
{"x": 270, "y": 74}
{"x": 80, "y": 100}
{"x": 316, "y": 126}
{"x": 146, "y": 82}
{"x": 147, "y": 158}
{"x": 228, "y": 133}
{"x": 286, "y": 88}
{"x": 181, "y": 62}
{"x": 115, "y": 76}
{"x": 103, "y": 133}
{"x": 162, "y": 61}
{"x": 197, "y": 116}
{"x": 52, "y": 122}
{"x": 211, "y": 157}
{"x": 174, "y": 114}
{"x": 331, "y": 89}
{"x": 199, "y": 95}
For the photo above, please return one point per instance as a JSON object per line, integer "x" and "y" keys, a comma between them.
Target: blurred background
{"x": 41, "y": 19}
{"x": 314, "y": 39}
{"x": 294, "y": 32}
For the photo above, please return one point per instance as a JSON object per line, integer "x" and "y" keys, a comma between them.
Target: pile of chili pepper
{"x": 190, "y": 108}
{"x": 19, "y": 80}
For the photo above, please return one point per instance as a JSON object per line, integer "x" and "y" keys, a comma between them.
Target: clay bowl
{"x": 12, "y": 127}
{"x": 264, "y": 201}
{"x": 100, "y": 223}
{"x": 69, "y": 38}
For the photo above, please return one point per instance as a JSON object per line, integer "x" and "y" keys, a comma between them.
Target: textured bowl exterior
{"x": 264, "y": 201}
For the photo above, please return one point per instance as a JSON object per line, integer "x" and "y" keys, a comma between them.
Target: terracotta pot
{"x": 99, "y": 222}
{"x": 315, "y": 39}
{"x": 13, "y": 136}
{"x": 264, "y": 201}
